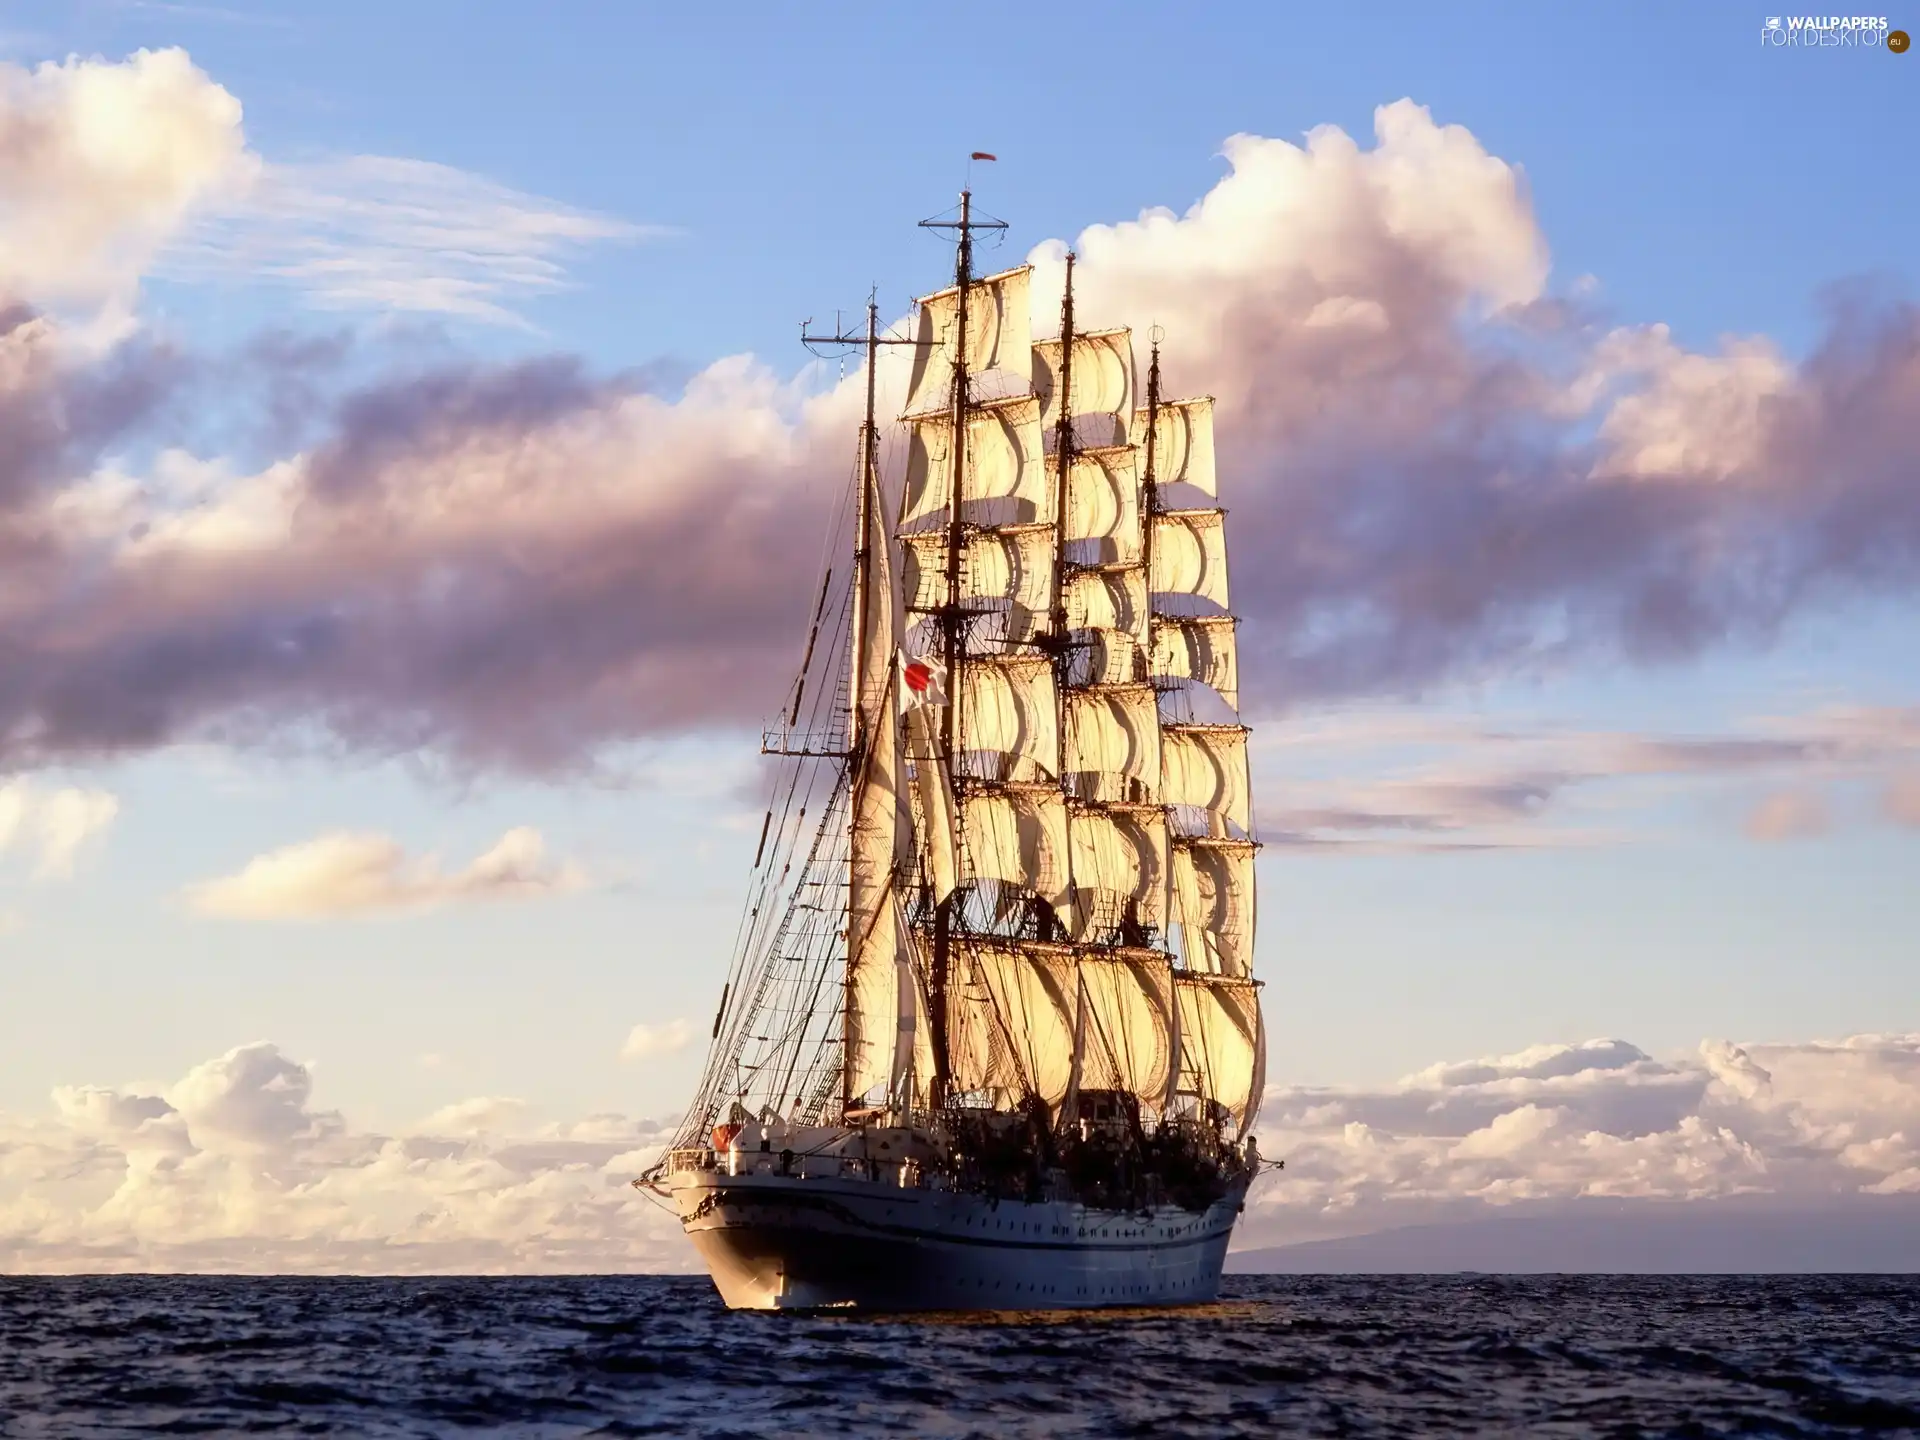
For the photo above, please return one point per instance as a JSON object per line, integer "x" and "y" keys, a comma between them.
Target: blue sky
{"x": 1703, "y": 181}
{"x": 1703, "y": 178}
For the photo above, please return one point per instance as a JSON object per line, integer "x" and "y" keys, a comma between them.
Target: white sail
{"x": 1214, "y": 886}
{"x": 1126, "y": 1040}
{"x": 1102, "y": 380}
{"x": 1203, "y": 777}
{"x": 1222, "y": 1043}
{"x": 1017, "y": 834}
{"x": 1126, "y": 823}
{"x": 1000, "y": 338}
{"x": 1119, "y": 861}
{"x": 933, "y": 804}
{"x": 1113, "y": 742}
{"x": 1008, "y": 480}
{"x": 913, "y": 1057}
{"x": 1011, "y": 1019}
{"x": 1105, "y": 657}
{"x": 1114, "y": 598}
{"x": 1103, "y": 507}
{"x": 1008, "y": 725}
{"x": 1201, "y": 648}
{"x": 1183, "y": 444}
{"x": 881, "y": 831}
{"x": 1007, "y": 571}
{"x": 1189, "y": 560}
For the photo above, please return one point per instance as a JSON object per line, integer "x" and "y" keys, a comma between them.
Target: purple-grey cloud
{"x": 1437, "y": 471}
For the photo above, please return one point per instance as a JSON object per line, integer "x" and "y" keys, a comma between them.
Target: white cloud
{"x": 233, "y": 1168}
{"x": 56, "y": 827}
{"x": 1700, "y": 416}
{"x": 344, "y": 873}
{"x": 481, "y": 1115}
{"x": 645, "y": 1041}
{"x": 99, "y": 163}
{"x": 112, "y": 170}
{"x": 1564, "y": 1123}
{"x": 375, "y": 232}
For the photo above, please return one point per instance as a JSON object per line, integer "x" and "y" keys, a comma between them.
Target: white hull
{"x": 775, "y": 1242}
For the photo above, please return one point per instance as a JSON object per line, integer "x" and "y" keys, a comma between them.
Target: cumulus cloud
{"x": 1806, "y": 1123}
{"x": 1438, "y": 469}
{"x": 100, "y": 164}
{"x": 354, "y": 874}
{"x": 54, "y": 827}
{"x": 233, "y": 1169}
{"x": 1417, "y": 487}
{"x": 645, "y": 1041}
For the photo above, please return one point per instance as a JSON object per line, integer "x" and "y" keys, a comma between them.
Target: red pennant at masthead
{"x": 983, "y": 155}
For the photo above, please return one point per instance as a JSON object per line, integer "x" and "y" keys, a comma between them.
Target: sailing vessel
{"x": 990, "y": 1038}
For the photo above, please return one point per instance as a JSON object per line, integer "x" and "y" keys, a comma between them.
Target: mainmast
{"x": 1063, "y": 432}
{"x": 950, "y": 623}
{"x": 1149, "y": 483}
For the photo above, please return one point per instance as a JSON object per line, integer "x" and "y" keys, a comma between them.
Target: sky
{"x": 410, "y": 479}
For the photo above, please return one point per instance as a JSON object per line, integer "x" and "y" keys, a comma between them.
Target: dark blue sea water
{"x": 1361, "y": 1355}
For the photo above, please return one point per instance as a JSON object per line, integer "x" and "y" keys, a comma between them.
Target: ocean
{"x": 658, "y": 1355}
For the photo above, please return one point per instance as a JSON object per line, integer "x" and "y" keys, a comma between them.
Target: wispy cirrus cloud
{"x": 1408, "y": 782}
{"x": 357, "y": 874}
{"x": 113, "y": 171}
{"x": 379, "y": 232}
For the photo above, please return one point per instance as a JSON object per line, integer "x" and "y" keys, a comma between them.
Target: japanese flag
{"x": 922, "y": 681}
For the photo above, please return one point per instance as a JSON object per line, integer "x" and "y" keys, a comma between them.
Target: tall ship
{"x": 990, "y": 1037}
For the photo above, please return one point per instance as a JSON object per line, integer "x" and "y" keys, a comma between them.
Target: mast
{"x": 1150, "y": 495}
{"x": 1063, "y": 447}
{"x": 950, "y": 620}
{"x": 1063, "y": 432}
{"x": 1149, "y": 486}
{"x": 866, "y": 506}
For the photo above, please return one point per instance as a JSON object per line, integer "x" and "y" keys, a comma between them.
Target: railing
{"x": 906, "y": 1173}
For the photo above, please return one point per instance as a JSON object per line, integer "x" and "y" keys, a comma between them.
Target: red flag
{"x": 983, "y": 155}
{"x": 923, "y": 680}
